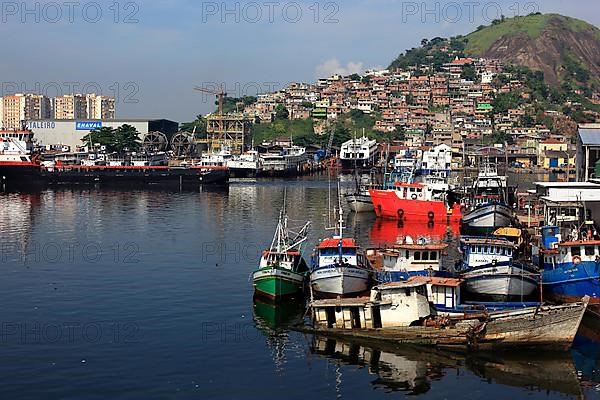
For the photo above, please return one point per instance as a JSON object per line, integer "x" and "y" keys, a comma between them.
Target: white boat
{"x": 487, "y": 217}
{"x": 289, "y": 161}
{"x": 489, "y": 269}
{"x": 359, "y": 201}
{"x": 246, "y": 165}
{"x": 487, "y": 209}
{"x": 361, "y": 152}
{"x": 339, "y": 267}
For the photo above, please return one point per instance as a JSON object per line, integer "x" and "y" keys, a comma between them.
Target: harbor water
{"x": 146, "y": 295}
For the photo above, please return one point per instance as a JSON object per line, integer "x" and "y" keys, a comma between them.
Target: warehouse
{"x": 59, "y": 133}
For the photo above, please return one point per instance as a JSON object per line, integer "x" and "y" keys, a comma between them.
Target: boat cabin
{"x": 572, "y": 253}
{"x": 273, "y": 258}
{"x": 443, "y": 293}
{"x": 396, "y": 304}
{"x": 413, "y": 257}
{"x": 483, "y": 251}
{"x": 412, "y": 191}
{"x": 331, "y": 251}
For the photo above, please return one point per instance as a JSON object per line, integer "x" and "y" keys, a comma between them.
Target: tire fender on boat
{"x": 576, "y": 260}
{"x": 401, "y": 214}
{"x": 430, "y": 215}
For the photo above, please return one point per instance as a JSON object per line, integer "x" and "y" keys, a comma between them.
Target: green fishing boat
{"x": 282, "y": 271}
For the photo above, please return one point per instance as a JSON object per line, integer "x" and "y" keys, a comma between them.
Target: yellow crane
{"x": 220, "y": 94}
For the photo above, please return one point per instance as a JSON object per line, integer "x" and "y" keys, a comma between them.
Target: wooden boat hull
{"x": 548, "y": 327}
{"x": 276, "y": 283}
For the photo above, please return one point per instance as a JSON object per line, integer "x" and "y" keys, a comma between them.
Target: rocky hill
{"x": 564, "y": 48}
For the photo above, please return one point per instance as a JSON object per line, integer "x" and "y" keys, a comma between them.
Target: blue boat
{"x": 570, "y": 269}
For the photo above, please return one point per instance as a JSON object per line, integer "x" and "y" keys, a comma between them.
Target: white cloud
{"x": 333, "y": 66}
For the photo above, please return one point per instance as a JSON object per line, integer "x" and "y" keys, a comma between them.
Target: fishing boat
{"x": 488, "y": 209}
{"x": 407, "y": 259}
{"x": 339, "y": 266}
{"x": 359, "y": 199}
{"x": 570, "y": 268}
{"x": 400, "y": 313}
{"x": 414, "y": 202}
{"x": 282, "y": 271}
{"x": 489, "y": 269}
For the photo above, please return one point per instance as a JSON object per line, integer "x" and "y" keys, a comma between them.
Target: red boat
{"x": 414, "y": 202}
{"x": 386, "y": 232}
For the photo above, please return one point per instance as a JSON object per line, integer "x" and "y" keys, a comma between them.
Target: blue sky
{"x": 150, "y": 54}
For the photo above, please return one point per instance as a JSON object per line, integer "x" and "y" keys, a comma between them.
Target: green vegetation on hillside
{"x": 482, "y": 39}
{"x": 302, "y": 131}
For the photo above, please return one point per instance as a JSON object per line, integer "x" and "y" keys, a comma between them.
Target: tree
{"x": 103, "y": 136}
{"x": 355, "y": 77}
{"x": 126, "y": 138}
{"x": 198, "y": 126}
{"x": 469, "y": 73}
{"x": 281, "y": 112}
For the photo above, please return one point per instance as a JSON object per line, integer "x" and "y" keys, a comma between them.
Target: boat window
{"x": 407, "y": 292}
{"x": 510, "y": 252}
{"x": 417, "y": 256}
{"x": 433, "y": 256}
{"x": 479, "y": 249}
{"x": 590, "y": 250}
{"x": 407, "y": 254}
{"x": 575, "y": 251}
{"x": 425, "y": 256}
{"x": 472, "y": 249}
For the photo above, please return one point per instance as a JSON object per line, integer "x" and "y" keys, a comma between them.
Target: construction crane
{"x": 220, "y": 95}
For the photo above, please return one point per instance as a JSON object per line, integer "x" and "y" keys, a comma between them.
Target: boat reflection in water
{"x": 414, "y": 370}
{"x": 272, "y": 319}
{"x": 389, "y": 232}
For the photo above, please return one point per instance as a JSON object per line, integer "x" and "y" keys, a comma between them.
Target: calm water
{"x": 146, "y": 294}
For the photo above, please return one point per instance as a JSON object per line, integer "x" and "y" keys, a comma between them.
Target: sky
{"x": 149, "y": 55}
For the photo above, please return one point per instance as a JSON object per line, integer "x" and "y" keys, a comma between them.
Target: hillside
{"x": 565, "y": 49}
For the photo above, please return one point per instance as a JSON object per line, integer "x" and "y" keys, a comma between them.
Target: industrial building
{"x": 60, "y": 133}
{"x": 588, "y": 152}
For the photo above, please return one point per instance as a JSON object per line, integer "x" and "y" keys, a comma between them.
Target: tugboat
{"x": 282, "y": 271}
{"x": 339, "y": 266}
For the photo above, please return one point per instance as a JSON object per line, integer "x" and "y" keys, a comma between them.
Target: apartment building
{"x": 22, "y": 107}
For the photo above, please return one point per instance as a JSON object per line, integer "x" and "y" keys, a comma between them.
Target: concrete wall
{"x": 65, "y": 132}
